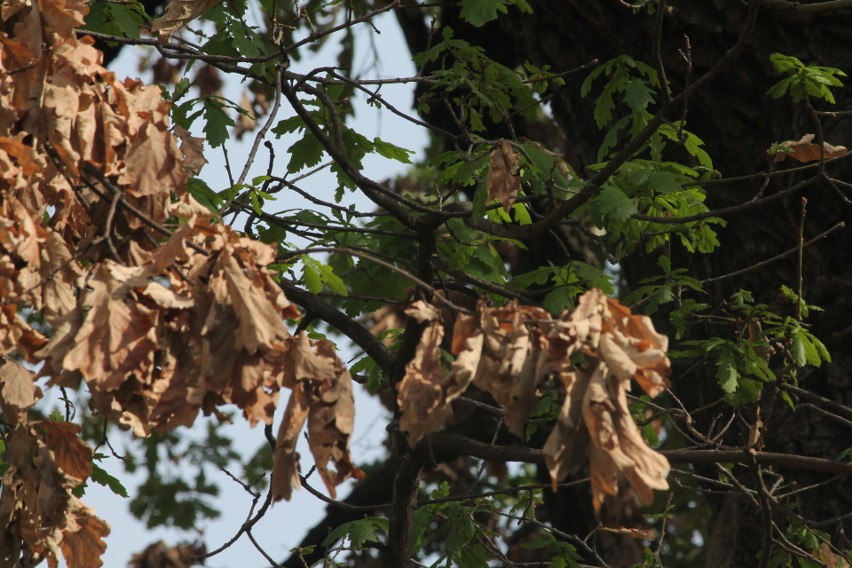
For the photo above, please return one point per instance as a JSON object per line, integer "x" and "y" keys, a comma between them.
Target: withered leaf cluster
{"x": 41, "y": 517}
{"x": 162, "y": 310}
{"x": 510, "y": 352}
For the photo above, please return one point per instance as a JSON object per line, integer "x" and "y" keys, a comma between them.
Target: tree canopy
{"x": 621, "y": 266}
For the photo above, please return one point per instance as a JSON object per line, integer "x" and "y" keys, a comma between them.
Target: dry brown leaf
{"x": 420, "y": 394}
{"x": 70, "y": 453}
{"x": 831, "y": 559}
{"x": 18, "y": 391}
{"x": 639, "y": 534}
{"x": 36, "y": 504}
{"x": 322, "y": 395}
{"x": 565, "y": 448}
{"x": 118, "y": 336}
{"x": 285, "y": 460}
{"x": 503, "y": 182}
{"x": 330, "y": 423}
{"x": 247, "y": 121}
{"x": 510, "y": 350}
{"x": 804, "y": 150}
{"x": 192, "y": 148}
{"x": 178, "y": 14}
{"x": 161, "y": 555}
{"x": 82, "y": 542}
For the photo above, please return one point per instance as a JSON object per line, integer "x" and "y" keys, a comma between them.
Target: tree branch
{"x": 461, "y": 445}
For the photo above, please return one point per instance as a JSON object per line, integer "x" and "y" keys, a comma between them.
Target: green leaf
{"x": 638, "y": 95}
{"x": 311, "y": 275}
{"x": 304, "y": 153}
{"x": 613, "y": 204}
{"x": 102, "y": 477}
{"x": 288, "y": 125}
{"x": 202, "y": 193}
{"x": 359, "y": 532}
{"x": 560, "y": 299}
{"x": 217, "y": 122}
{"x": 392, "y": 151}
{"x": 480, "y": 12}
{"x": 462, "y": 528}
{"x": 665, "y": 182}
{"x": 726, "y": 371}
{"x": 317, "y": 276}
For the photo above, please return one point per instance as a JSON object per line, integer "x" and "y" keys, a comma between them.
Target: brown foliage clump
{"x": 510, "y": 351}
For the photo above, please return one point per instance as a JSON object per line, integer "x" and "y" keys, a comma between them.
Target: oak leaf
{"x": 192, "y": 148}
{"x": 178, "y": 14}
{"x": 420, "y": 394}
{"x": 804, "y": 150}
{"x": 18, "y": 391}
{"x": 503, "y": 182}
{"x": 331, "y": 421}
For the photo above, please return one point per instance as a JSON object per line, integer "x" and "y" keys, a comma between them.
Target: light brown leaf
{"x": 83, "y": 538}
{"x": 330, "y": 424}
{"x": 639, "y": 534}
{"x": 635, "y": 338}
{"x": 419, "y": 393}
{"x": 70, "y": 453}
{"x": 285, "y": 460}
{"x": 192, "y": 148}
{"x": 118, "y": 336}
{"x": 564, "y": 450}
{"x": 61, "y": 274}
{"x": 510, "y": 368}
{"x": 246, "y": 122}
{"x": 804, "y": 150}
{"x": 18, "y": 391}
{"x": 178, "y": 14}
{"x": 503, "y": 182}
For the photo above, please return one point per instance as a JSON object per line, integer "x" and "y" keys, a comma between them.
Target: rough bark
{"x": 738, "y": 123}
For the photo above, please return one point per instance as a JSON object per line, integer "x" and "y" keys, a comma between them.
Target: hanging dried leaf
{"x": 322, "y": 396}
{"x": 192, "y": 148}
{"x": 804, "y": 150}
{"x": 246, "y": 122}
{"x": 330, "y": 423}
{"x": 178, "y": 14}
{"x": 82, "y": 542}
{"x": 18, "y": 391}
{"x": 72, "y": 455}
{"x": 503, "y": 182}
{"x": 285, "y": 460}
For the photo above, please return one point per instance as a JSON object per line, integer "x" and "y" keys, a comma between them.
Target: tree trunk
{"x": 738, "y": 123}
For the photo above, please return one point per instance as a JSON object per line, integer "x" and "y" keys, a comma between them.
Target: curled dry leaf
{"x": 18, "y": 391}
{"x": 503, "y": 182}
{"x": 246, "y": 122}
{"x": 322, "y": 396}
{"x": 509, "y": 352}
{"x": 192, "y": 148}
{"x": 178, "y": 14}
{"x": 804, "y": 150}
{"x": 331, "y": 421}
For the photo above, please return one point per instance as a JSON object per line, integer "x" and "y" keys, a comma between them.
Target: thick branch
{"x": 459, "y": 445}
{"x": 346, "y": 325}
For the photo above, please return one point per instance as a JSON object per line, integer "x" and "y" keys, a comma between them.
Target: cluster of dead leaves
{"x": 511, "y": 351}
{"x": 46, "y": 461}
{"x": 160, "y": 308}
